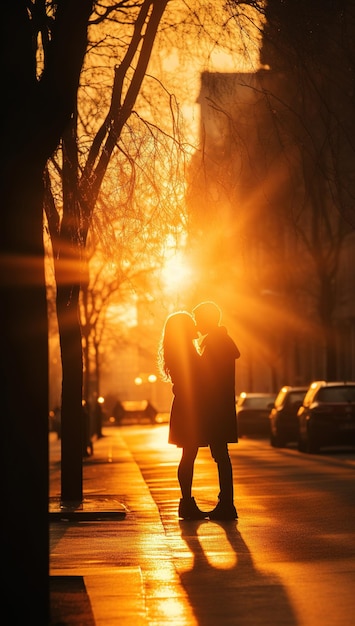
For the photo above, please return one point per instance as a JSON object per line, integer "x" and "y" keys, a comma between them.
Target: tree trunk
{"x": 72, "y": 433}
{"x": 68, "y": 273}
{"x": 24, "y": 394}
{"x": 36, "y": 112}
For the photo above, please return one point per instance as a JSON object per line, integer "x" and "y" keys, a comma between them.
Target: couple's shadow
{"x": 223, "y": 586}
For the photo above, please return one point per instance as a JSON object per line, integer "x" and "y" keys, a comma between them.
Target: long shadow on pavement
{"x": 224, "y": 587}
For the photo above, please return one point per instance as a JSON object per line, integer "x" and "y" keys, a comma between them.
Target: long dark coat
{"x": 219, "y": 353}
{"x": 185, "y": 428}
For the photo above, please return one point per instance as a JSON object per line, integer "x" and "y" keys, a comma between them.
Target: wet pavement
{"x": 125, "y": 564}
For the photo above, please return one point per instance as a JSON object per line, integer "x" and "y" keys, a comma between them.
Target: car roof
{"x": 253, "y": 395}
{"x": 294, "y": 388}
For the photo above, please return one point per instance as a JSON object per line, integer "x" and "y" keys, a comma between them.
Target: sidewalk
{"x": 102, "y": 571}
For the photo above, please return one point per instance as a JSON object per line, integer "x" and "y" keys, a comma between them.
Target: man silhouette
{"x": 218, "y": 355}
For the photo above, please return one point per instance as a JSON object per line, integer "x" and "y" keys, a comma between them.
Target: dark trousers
{"x": 220, "y": 454}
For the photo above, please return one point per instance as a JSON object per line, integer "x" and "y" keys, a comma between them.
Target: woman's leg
{"x": 186, "y": 470}
{"x": 188, "y": 508}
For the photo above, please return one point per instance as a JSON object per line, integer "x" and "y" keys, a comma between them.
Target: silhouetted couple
{"x": 203, "y": 411}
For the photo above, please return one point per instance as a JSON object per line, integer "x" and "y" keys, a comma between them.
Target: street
{"x": 293, "y": 547}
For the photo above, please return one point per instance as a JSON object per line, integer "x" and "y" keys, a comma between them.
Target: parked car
{"x": 327, "y": 416}
{"x": 253, "y": 413}
{"x": 283, "y": 416}
{"x": 133, "y": 411}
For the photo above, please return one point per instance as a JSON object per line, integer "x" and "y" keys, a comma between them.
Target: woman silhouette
{"x": 179, "y": 363}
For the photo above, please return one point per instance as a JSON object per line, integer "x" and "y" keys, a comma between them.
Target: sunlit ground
{"x": 214, "y": 545}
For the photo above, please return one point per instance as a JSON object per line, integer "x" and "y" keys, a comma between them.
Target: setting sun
{"x": 176, "y": 273}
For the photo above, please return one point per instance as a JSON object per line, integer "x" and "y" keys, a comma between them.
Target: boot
{"x": 224, "y": 511}
{"x": 189, "y": 510}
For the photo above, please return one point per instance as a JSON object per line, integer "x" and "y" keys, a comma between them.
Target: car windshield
{"x": 295, "y": 396}
{"x": 256, "y": 403}
{"x": 336, "y": 394}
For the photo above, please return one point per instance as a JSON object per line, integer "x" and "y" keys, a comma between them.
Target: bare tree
{"x": 81, "y": 187}
{"x": 37, "y": 108}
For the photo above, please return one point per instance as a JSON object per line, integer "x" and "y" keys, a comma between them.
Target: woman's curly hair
{"x": 179, "y": 329}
